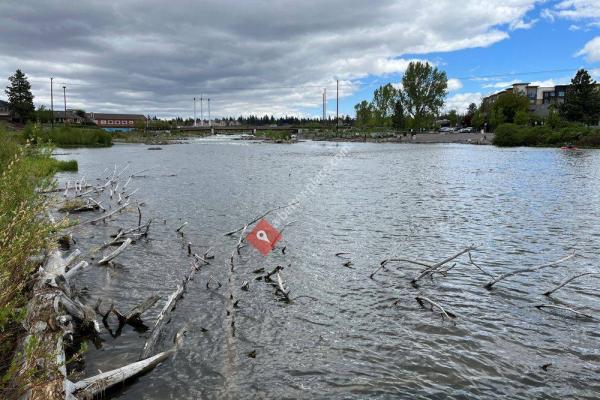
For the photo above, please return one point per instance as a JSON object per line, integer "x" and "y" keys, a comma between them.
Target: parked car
{"x": 445, "y": 129}
{"x": 468, "y": 129}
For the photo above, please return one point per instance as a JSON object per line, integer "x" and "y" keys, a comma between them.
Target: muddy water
{"x": 342, "y": 336}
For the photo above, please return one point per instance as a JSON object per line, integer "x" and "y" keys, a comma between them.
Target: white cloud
{"x": 591, "y": 50}
{"x": 454, "y": 84}
{"x": 460, "y": 102}
{"x": 576, "y": 10}
{"x": 500, "y": 85}
{"x": 522, "y": 24}
{"x": 250, "y": 57}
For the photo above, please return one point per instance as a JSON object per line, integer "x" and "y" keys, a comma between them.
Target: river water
{"x": 345, "y": 335}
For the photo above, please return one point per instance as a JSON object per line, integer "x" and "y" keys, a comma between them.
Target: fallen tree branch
{"x": 479, "y": 268}
{"x": 578, "y": 313}
{"x": 422, "y": 300}
{"x": 260, "y": 217}
{"x": 389, "y": 260}
{"x": 91, "y": 387}
{"x": 525, "y": 270}
{"x": 430, "y": 270}
{"x": 115, "y": 253}
{"x": 105, "y": 216}
{"x": 164, "y": 315}
{"x": 281, "y": 287}
{"x": 133, "y": 316}
{"x": 568, "y": 280}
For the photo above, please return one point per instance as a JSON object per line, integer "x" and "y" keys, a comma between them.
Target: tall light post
{"x": 201, "y": 111}
{"x": 51, "y": 103}
{"x": 209, "y": 121}
{"x": 65, "y": 98}
{"x": 194, "y": 111}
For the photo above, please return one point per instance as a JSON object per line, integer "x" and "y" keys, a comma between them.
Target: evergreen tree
{"x": 20, "y": 99}
{"x": 582, "y": 100}
{"x": 398, "y": 119}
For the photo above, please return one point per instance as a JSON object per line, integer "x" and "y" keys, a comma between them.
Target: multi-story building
{"x": 540, "y": 97}
{"x": 116, "y": 122}
{"x": 4, "y": 110}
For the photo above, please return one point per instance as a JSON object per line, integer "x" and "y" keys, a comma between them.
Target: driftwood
{"x": 525, "y": 270}
{"x": 435, "y": 267}
{"x": 133, "y": 316}
{"x": 93, "y": 386}
{"x": 179, "y": 230}
{"x": 422, "y": 300}
{"x": 281, "y": 287}
{"x": 115, "y": 253}
{"x": 389, "y": 260}
{"x": 568, "y": 280}
{"x": 165, "y": 314}
{"x": 46, "y": 324}
{"x": 110, "y": 214}
{"x": 259, "y": 218}
{"x": 565, "y": 308}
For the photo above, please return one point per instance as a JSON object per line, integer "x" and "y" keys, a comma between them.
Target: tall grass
{"x": 66, "y": 136}
{"x": 25, "y": 232}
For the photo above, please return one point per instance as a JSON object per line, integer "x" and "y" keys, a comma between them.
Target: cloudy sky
{"x": 275, "y": 57}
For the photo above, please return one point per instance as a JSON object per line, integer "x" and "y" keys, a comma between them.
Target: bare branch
{"x": 260, "y": 217}
{"x": 568, "y": 280}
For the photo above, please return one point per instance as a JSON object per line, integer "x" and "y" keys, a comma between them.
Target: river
{"x": 345, "y": 335}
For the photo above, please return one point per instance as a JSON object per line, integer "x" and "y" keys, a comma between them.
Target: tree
{"x": 364, "y": 113}
{"x": 453, "y": 117}
{"x": 582, "y": 100}
{"x": 384, "y": 101}
{"x": 521, "y": 117}
{"x": 20, "y": 99}
{"x": 472, "y": 109}
{"x": 424, "y": 89}
{"x": 506, "y": 107}
{"x": 398, "y": 119}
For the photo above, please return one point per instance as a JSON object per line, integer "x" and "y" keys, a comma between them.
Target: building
{"x": 4, "y": 111}
{"x": 541, "y": 98}
{"x": 72, "y": 117}
{"x": 116, "y": 122}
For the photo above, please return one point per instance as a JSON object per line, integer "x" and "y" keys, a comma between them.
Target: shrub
{"x": 518, "y": 135}
{"x": 68, "y": 136}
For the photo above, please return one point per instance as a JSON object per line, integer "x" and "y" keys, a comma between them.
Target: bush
{"x": 517, "y": 135}
{"x": 67, "y": 136}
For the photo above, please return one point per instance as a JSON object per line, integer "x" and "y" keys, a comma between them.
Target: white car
{"x": 466, "y": 130}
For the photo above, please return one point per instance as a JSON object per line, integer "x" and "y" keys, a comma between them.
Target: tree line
{"x": 414, "y": 104}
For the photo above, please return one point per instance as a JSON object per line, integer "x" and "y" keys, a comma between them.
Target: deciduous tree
{"x": 424, "y": 90}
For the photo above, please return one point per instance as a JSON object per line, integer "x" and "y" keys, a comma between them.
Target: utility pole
{"x": 324, "y": 104}
{"x": 65, "y": 98}
{"x": 201, "y": 111}
{"x": 51, "y": 103}
{"x": 194, "y": 111}
{"x": 337, "y": 105}
{"x": 209, "y": 121}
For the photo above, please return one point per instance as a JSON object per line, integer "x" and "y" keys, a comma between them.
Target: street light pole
{"x": 65, "y": 98}
{"x": 201, "y": 111}
{"x": 51, "y": 103}
{"x": 194, "y": 111}
{"x": 209, "y": 121}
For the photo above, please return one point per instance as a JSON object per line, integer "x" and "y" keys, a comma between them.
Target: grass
{"x": 25, "y": 232}
{"x": 66, "y": 136}
{"x": 508, "y": 135}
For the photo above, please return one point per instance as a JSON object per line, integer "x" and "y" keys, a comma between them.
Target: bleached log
{"x": 525, "y": 270}
{"x": 240, "y": 240}
{"x": 71, "y": 272}
{"x": 115, "y": 253}
{"x": 282, "y": 290}
{"x": 578, "y": 313}
{"x": 127, "y": 196}
{"x": 568, "y": 280}
{"x": 259, "y": 218}
{"x": 110, "y": 214}
{"x": 422, "y": 300}
{"x": 178, "y": 230}
{"x": 164, "y": 315}
{"x": 97, "y": 203}
{"x": 93, "y": 386}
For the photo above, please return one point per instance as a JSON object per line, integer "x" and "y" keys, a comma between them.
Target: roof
{"x": 3, "y": 103}
{"x": 115, "y": 116}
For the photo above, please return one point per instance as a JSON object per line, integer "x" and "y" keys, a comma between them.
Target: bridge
{"x": 238, "y": 129}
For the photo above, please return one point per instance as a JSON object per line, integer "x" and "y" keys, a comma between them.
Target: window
{"x": 102, "y": 122}
{"x": 130, "y": 122}
{"x": 110, "y": 121}
{"x": 561, "y": 94}
{"x": 118, "y": 122}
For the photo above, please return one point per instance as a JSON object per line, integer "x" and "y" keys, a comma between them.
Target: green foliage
{"x": 453, "y": 117}
{"x": 66, "y": 136}
{"x": 20, "y": 98}
{"x": 582, "y": 100}
{"x": 364, "y": 113}
{"x": 522, "y": 117}
{"x": 508, "y": 135}
{"x": 506, "y": 107}
{"x": 423, "y": 93}
{"x": 276, "y": 135}
{"x": 383, "y": 105}
{"x": 398, "y": 119}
